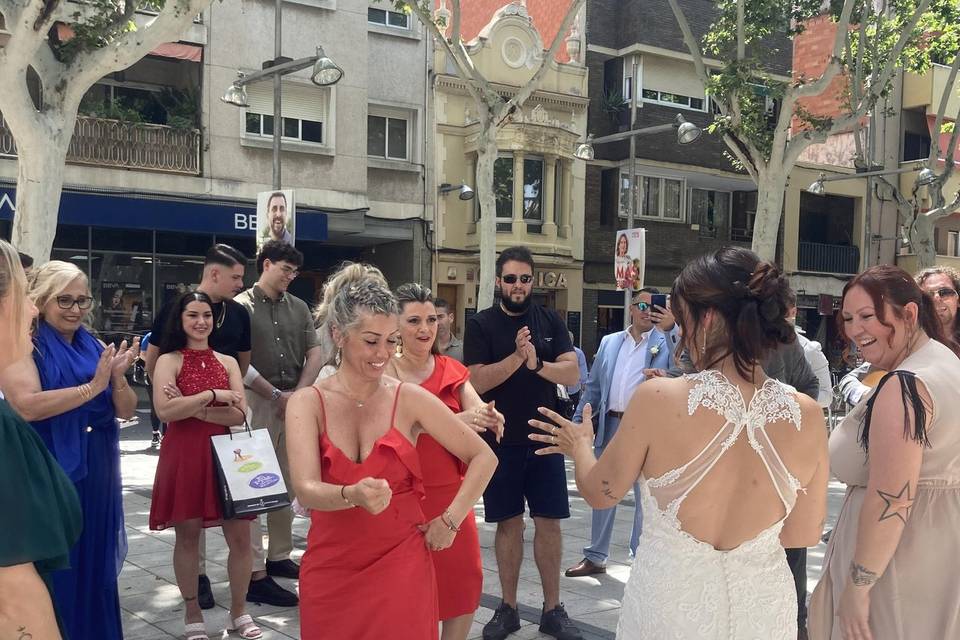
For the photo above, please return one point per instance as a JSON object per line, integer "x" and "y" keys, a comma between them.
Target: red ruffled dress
{"x": 459, "y": 567}
{"x": 185, "y": 486}
{"x": 364, "y": 576}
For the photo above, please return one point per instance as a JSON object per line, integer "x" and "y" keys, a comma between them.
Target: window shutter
{"x": 303, "y": 102}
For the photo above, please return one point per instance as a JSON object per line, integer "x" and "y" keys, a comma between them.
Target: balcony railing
{"x": 126, "y": 145}
{"x": 828, "y": 258}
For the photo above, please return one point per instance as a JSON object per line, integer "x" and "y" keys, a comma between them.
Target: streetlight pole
{"x": 277, "y": 95}
{"x": 634, "y": 190}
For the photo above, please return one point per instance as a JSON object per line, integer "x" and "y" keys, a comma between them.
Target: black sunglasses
{"x": 945, "y": 292}
{"x": 511, "y": 278}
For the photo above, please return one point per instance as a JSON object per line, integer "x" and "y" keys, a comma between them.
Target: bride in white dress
{"x": 733, "y": 466}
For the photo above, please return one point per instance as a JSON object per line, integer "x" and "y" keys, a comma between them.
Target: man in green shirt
{"x": 285, "y": 355}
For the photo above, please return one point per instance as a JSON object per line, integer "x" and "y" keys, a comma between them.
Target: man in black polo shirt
{"x": 222, "y": 279}
{"x": 517, "y": 353}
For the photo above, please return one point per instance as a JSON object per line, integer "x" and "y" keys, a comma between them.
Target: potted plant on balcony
{"x": 613, "y": 104}
{"x": 182, "y": 107}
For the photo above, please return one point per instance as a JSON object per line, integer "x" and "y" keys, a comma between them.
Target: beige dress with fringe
{"x": 918, "y": 596}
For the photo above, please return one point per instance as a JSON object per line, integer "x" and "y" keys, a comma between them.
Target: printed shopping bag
{"x": 248, "y": 474}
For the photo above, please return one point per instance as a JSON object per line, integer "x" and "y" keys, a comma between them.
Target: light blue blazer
{"x": 597, "y": 389}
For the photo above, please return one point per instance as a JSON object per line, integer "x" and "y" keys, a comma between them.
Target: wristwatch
{"x": 275, "y": 394}
{"x": 539, "y": 365}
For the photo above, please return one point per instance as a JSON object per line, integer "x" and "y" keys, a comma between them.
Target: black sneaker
{"x": 204, "y": 594}
{"x": 283, "y": 569}
{"x": 266, "y": 591}
{"x": 505, "y": 620}
{"x": 155, "y": 441}
{"x": 556, "y": 623}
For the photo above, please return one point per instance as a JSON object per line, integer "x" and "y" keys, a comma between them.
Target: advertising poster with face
{"x": 276, "y": 217}
{"x": 629, "y": 259}
{"x": 121, "y": 305}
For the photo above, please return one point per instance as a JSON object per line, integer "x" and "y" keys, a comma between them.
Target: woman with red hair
{"x": 884, "y": 572}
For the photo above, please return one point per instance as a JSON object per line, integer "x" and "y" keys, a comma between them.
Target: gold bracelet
{"x": 84, "y": 391}
{"x": 449, "y": 524}
{"x": 343, "y": 489}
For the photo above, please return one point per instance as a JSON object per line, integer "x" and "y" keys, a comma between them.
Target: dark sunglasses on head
{"x": 945, "y": 292}
{"x": 511, "y": 278}
{"x": 83, "y": 302}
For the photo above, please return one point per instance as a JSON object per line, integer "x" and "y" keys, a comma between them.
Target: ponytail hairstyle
{"x": 353, "y": 288}
{"x": 749, "y": 300}
{"x": 888, "y": 284}
{"x": 415, "y": 292}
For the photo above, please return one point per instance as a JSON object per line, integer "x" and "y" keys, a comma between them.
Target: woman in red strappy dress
{"x": 368, "y": 573}
{"x": 199, "y": 393}
{"x": 459, "y": 568}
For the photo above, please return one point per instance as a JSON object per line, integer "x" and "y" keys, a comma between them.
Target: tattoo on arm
{"x": 861, "y": 576}
{"x": 606, "y": 490}
{"x": 896, "y": 505}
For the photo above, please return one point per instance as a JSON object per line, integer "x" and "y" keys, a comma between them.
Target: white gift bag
{"x": 248, "y": 473}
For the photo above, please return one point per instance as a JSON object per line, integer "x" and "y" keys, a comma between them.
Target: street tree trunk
{"x": 921, "y": 240}
{"x": 770, "y": 189}
{"x": 486, "y": 157}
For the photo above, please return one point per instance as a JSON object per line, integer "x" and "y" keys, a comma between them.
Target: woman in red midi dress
{"x": 368, "y": 572}
{"x": 459, "y": 568}
{"x": 199, "y": 393}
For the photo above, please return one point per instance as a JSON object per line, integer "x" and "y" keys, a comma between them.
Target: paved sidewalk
{"x": 153, "y": 610}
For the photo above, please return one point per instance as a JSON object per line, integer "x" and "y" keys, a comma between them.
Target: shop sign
{"x": 551, "y": 280}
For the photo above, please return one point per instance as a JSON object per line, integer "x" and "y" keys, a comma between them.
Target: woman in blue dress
{"x": 72, "y": 391}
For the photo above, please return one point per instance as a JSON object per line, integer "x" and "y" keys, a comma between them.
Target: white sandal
{"x": 245, "y": 627}
{"x": 195, "y": 631}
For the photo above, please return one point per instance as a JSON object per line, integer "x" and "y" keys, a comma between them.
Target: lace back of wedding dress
{"x": 773, "y": 402}
{"x": 682, "y": 588}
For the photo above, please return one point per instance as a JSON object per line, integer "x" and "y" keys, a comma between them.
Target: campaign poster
{"x": 276, "y": 217}
{"x": 629, "y": 260}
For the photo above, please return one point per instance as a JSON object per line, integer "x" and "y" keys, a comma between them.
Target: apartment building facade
{"x": 160, "y": 168}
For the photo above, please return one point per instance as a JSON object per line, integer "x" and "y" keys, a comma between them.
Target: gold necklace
{"x": 358, "y": 401}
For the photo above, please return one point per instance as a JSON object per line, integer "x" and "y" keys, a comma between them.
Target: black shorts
{"x": 522, "y": 475}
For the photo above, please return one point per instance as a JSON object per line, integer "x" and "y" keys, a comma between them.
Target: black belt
{"x": 616, "y": 414}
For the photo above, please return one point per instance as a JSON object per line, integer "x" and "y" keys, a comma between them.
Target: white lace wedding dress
{"x": 682, "y": 588}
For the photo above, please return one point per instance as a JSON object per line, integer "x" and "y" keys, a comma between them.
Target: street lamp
{"x": 465, "y": 192}
{"x": 818, "y": 188}
{"x": 325, "y": 73}
{"x": 687, "y": 132}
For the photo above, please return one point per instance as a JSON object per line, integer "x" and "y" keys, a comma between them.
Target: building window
{"x": 558, "y": 210}
{"x": 627, "y": 92}
{"x": 533, "y": 194}
{"x": 662, "y": 198}
{"x": 953, "y": 244}
{"x": 710, "y": 210}
{"x": 387, "y": 137}
{"x": 673, "y": 99}
{"x": 503, "y": 189}
{"x": 304, "y": 112}
{"x": 388, "y": 18}
{"x": 743, "y": 215}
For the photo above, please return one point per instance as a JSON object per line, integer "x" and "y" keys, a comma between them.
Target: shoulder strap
{"x": 396, "y": 399}
{"x": 323, "y": 407}
{"x": 912, "y": 400}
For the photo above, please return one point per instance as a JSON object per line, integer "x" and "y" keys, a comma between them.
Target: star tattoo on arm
{"x": 896, "y": 505}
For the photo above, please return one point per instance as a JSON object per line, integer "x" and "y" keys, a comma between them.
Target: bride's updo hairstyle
{"x": 749, "y": 300}
{"x": 353, "y": 289}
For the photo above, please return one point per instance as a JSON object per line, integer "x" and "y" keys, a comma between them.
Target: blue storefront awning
{"x": 148, "y": 212}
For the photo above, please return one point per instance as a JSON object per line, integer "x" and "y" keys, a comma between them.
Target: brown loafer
{"x": 584, "y": 568}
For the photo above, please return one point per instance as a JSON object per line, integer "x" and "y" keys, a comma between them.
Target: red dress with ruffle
{"x": 459, "y": 567}
{"x": 185, "y": 486}
{"x": 364, "y": 576}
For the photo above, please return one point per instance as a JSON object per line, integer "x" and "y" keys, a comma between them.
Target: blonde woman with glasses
{"x": 35, "y": 490}
{"x": 72, "y": 391}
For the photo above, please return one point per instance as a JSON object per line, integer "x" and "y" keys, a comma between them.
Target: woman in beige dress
{"x": 889, "y": 571}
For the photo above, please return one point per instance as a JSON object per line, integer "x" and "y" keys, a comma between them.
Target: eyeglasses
{"x": 290, "y": 272}
{"x": 83, "y": 302}
{"x": 945, "y": 292}
{"x": 642, "y": 306}
{"x": 511, "y": 278}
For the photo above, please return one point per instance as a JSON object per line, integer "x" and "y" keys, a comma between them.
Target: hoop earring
{"x": 338, "y": 358}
